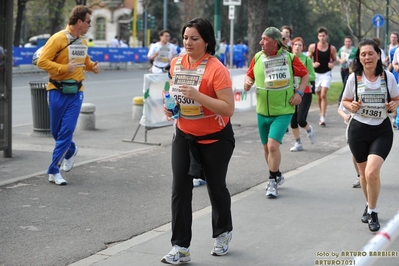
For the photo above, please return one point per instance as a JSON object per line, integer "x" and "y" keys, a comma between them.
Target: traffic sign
{"x": 231, "y": 12}
{"x": 231, "y": 2}
{"x": 378, "y": 20}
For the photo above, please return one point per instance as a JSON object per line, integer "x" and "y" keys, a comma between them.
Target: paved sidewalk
{"x": 316, "y": 215}
{"x": 317, "y": 212}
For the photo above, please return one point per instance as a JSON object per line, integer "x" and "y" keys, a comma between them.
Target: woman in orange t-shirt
{"x": 202, "y": 86}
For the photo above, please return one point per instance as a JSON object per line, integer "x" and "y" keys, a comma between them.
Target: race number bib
{"x": 163, "y": 55}
{"x": 373, "y": 105}
{"x": 78, "y": 52}
{"x": 188, "y": 107}
{"x": 277, "y": 73}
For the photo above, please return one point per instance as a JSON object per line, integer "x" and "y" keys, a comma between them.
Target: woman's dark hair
{"x": 358, "y": 67}
{"x": 205, "y": 29}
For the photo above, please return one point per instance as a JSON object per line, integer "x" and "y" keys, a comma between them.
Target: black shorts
{"x": 366, "y": 139}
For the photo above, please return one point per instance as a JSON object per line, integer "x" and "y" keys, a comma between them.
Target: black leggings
{"x": 365, "y": 139}
{"x": 301, "y": 112}
{"x": 214, "y": 160}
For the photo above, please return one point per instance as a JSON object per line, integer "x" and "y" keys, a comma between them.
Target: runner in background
{"x": 346, "y": 54}
{"x": 299, "y": 119}
{"x": 324, "y": 56}
{"x": 223, "y": 49}
{"x": 161, "y": 53}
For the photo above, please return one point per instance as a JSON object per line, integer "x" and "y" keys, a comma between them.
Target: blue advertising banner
{"x": 23, "y": 56}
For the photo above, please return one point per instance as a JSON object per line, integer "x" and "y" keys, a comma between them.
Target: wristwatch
{"x": 299, "y": 92}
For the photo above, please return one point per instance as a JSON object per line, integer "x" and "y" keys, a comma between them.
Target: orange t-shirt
{"x": 216, "y": 77}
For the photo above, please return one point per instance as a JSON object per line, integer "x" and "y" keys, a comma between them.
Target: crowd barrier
{"x": 23, "y": 55}
{"x": 155, "y": 85}
{"x": 375, "y": 248}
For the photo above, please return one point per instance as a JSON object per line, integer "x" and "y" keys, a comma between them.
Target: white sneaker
{"x": 311, "y": 135}
{"x": 198, "y": 182}
{"x": 297, "y": 147}
{"x": 322, "y": 121}
{"x": 57, "y": 179}
{"x": 280, "y": 180}
{"x": 221, "y": 246}
{"x": 177, "y": 255}
{"x": 271, "y": 189}
{"x": 67, "y": 164}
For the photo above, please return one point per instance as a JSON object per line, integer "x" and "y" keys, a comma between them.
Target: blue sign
{"x": 378, "y": 21}
{"x": 23, "y": 55}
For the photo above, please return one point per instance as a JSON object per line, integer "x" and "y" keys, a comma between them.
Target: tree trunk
{"x": 56, "y": 15}
{"x": 257, "y": 23}
{"x": 18, "y": 23}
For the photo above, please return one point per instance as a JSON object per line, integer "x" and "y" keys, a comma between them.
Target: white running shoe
{"x": 67, "y": 164}
{"x": 221, "y": 246}
{"x": 198, "y": 182}
{"x": 322, "y": 121}
{"x": 177, "y": 255}
{"x": 311, "y": 135}
{"x": 297, "y": 147}
{"x": 57, "y": 179}
{"x": 271, "y": 189}
{"x": 280, "y": 180}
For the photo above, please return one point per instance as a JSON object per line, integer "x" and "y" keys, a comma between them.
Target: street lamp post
{"x": 387, "y": 26}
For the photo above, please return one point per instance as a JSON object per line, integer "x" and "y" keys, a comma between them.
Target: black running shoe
{"x": 374, "y": 225}
{"x": 365, "y": 217}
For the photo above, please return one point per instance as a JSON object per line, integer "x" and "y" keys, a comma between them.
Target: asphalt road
{"x": 111, "y": 91}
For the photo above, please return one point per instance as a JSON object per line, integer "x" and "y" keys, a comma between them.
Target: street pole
{"x": 145, "y": 27}
{"x": 386, "y": 27}
{"x": 165, "y": 13}
{"x": 231, "y": 42}
{"x": 217, "y": 20}
{"x": 134, "y": 25}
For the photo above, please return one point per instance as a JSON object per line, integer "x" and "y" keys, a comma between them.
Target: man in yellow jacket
{"x": 65, "y": 58}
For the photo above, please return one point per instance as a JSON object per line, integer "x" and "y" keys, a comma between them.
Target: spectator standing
{"x": 223, "y": 51}
{"x": 207, "y": 138}
{"x": 394, "y": 38}
{"x": 276, "y": 97}
{"x": 115, "y": 42}
{"x": 123, "y": 43}
{"x": 90, "y": 43}
{"x": 239, "y": 54}
{"x": 324, "y": 56}
{"x": 65, "y": 57}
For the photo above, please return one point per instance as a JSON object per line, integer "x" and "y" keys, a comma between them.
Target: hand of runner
{"x": 296, "y": 99}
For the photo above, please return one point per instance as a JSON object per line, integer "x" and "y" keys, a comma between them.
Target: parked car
{"x": 38, "y": 40}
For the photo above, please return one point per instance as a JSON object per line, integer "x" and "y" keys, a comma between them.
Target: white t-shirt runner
{"x": 373, "y": 96}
